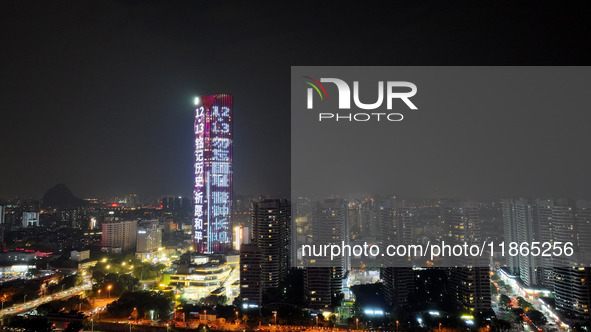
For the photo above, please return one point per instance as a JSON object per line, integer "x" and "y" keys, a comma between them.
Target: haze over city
{"x": 99, "y": 95}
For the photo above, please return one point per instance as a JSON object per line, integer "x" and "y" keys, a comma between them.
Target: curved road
{"x": 23, "y": 307}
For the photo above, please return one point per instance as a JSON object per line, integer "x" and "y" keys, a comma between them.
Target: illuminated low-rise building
{"x": 149, "y": 237}
{"x": 206, "y": 275}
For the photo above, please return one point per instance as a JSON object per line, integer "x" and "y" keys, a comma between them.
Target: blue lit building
{"x": 212, "y": 193}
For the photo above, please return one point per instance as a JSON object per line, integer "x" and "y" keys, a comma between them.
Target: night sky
{"x": 98, "y": 94}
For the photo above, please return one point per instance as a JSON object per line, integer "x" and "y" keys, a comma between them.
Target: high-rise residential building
{"x": 583, "y": 218}
{"x": 149, "y": 237}
{"x": 572, "y": 280}
{"x": 251, "y": 276}
{"x": 30, "y": 219}
{"x": 395, "y": 219}
{"x": 272, "y": 234}
{"x": 546, "y": 229}
{"x": 468, "y": 285}
{"x": 321, "y": 285}
{"x": 323, "y": 277}
{"x": 363, "y": 219}
{"x": 461, "y": 220}
{"x": 132, "y": 201}
{"x": 212, "y": 193}
{"x": 396, "y": 222}
{"x": 563, "y": 221}
{"x": 469, "y": 288}
{"x": 572, "y": 292}
{"x": 510, "y": 230}
{"x": 522, "y": 225}
{"x": 399, "y": 282}
{"x": 119, "y": 235}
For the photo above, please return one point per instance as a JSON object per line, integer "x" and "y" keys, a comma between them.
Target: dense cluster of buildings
{"x": 553, "y": 221}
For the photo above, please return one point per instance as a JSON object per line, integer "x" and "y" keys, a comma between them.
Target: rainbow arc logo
{"x": 317, "y": 86}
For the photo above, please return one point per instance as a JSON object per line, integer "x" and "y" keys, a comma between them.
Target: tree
{"x": 518, "y": 314}
{"x": 512, "y": 316}
{"x": 502, "y": 325}
{"x": 523, "y": 304}
{"x": 537, "y": 317}
{"x": 213, "y": 300}
{"x": 74, "y": 326}
{"x": 504, "y": 301}
{"x": 32, "y": 324}
{"x": 143, "y": 302}
{"x": 493, "y": 290}
{"x": 6, "y": 295}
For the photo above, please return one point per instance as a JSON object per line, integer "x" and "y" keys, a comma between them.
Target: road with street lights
{"x": 26, "y": 306}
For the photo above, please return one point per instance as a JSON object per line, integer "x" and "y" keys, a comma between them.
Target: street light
{"x": 109, "y": 289}
{"x": 275, "y": 316}
{"x": 25, "y": 299}
{"x": 235, "y": 312}
{"x": 357, "y": 323}
{"x": 439, "y": 327}
{"x": 396, "y": 326}
{"x": 99, "y": 291}
{"x": 316, "y": 320}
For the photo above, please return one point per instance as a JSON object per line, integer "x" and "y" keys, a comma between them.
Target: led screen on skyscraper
{"x": 213, "y": 174}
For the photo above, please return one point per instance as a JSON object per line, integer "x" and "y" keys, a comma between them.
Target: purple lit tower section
{"x": 212, "y": 222}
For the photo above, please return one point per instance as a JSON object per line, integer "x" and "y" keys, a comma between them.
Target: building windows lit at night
{"x": 213, "y": 174}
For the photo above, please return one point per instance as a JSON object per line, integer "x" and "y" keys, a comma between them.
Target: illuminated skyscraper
{"x": 213, "y": 174}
